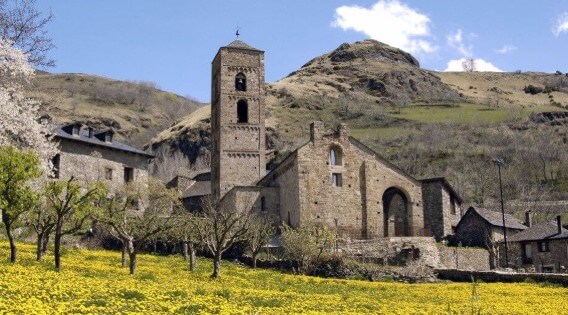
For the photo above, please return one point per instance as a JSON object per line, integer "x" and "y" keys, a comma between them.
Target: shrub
{"x": 533, "y": 90}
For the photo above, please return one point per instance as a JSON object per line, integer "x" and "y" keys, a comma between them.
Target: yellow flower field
{"x": 92, "y": 282}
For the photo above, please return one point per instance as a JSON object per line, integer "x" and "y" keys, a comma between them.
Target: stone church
{"x": 333, "y": 180}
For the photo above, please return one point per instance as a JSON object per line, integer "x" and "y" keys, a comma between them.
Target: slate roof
{"x": 541, "y": 231}
{"x": 198, "y": 189}
{"x": 241, "y": 45}
{"x": 84, "y": 138}
{"x": 495, "y": 218}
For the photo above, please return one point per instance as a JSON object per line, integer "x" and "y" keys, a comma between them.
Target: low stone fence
{"x": 463, "y": 258}
{"x": 422, "y": 250}
{"x": 394, "y": 250}
{"x": 499, "y": 276}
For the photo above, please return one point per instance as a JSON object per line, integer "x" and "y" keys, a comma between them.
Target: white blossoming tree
{"x": 19, "y": 116}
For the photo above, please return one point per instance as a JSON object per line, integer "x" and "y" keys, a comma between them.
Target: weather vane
{"x": 237, "y": 33}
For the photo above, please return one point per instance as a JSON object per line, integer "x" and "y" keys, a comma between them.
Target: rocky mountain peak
{"x": 368, "y": 50}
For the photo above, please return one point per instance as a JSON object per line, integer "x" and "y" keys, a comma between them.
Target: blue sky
{"x": 173, "y": 42}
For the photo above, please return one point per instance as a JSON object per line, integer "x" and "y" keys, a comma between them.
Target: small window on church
{"x": 262, "y": 204}
{"x": 335, "y": 156}
{"x": 241, "y": 82}
{"x": 336, "y": 180}
{"x": 242, "y": 111}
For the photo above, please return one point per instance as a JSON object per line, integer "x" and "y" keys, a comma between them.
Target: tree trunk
{"x": 254, "y": 260}
{"x": 216, "y": 266}
{"x": 191, "y": 257}
{"x": 39, "y": 252}
{"x": 13, "y": 250}
{"x": 123, "y": 254}
{"x": 8, "y": 225}
{"x": 133, "y": 262}
{"x": 57, "y": 249}
{"x": 185, "y": 250}
{"x": 45, "y": 241}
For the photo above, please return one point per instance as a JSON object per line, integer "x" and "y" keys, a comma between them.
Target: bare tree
{"x": 139, "y": 212}
{"x": 185, "y": 231}
{"x": 219, "y": 226}
{"x": 469, "y": 65}
{"x": 260, "y": 231}
{"x": 22, "y": 24}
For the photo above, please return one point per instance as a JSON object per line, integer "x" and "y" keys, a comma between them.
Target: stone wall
{"x": 464, "y": 258}
{"x": 250, "y": 198}
{"x": 496, "y": 276}
{"x": 97, "y": 163}
{"x": 285, "y": 177}
{"x": 394, "y": 250}
{"x": 439, "y": 216}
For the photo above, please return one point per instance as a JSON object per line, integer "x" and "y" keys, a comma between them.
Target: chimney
{"x": 559, "y": 224}
{"x": 317, "y": 130}
{"x": 528, "y": 218}
{"x": 343, "y": 131}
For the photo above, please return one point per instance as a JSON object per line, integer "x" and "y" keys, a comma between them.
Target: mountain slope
{"x": 136, "y": 110}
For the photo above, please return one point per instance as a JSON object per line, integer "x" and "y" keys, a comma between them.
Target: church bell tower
{"x": 237, "y": 118}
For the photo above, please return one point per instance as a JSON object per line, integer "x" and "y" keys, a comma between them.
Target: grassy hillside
{"x": 92, "y": 282}
{"x": 136, "y": 110}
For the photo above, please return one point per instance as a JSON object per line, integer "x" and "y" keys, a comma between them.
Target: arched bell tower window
{"x": 335, "y": 156}
{"x": 242, "y": 111}
{"x": 241, "y": 82}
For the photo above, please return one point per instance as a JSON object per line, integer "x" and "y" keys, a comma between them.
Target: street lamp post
{"x": 499, "y": 163}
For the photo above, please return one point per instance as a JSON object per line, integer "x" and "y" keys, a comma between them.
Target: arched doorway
{"x": 396, "y": 213}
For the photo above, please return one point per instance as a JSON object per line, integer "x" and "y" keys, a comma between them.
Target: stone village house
{"x": 333, "y": 180}
{"x": 542, "y": 247}
{"x": 483, "y": 228}
{"x": 91, "y": 155}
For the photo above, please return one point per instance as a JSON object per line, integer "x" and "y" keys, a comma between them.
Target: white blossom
{"x": 19, "y": 116}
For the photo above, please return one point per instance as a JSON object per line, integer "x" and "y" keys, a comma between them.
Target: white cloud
{"x": 456, "y": 41}
{"x": 391, "y": 22}
{"x": 480, "y": 65}
{"x": 561, "y": 24}
{"x": 505, "y": 49}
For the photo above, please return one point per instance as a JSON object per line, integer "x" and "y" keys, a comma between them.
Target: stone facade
{"x": 237, "y": 118}
{"x": 356, "y": 206}
{"x": 333, "y": 180}
{"x": 541, "y": 248}
{"x": 89, "y": 159}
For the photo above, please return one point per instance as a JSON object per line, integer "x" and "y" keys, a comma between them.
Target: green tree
{"x": 42, "y": 220}
{"x": 306, "y": 244}
{"x": 139, "y": 212}
{"x": 17, "y": 169}
{"x": 73, "y": 205}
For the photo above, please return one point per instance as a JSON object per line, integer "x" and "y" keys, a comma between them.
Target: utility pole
{"x": 499, "y": 163}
